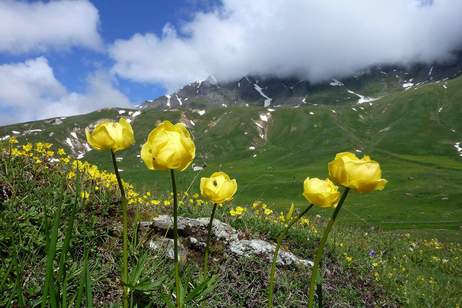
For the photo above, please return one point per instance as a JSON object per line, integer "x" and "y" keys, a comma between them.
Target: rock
{"x": 195, "y": 232}
{"x": 266, "y": 249}
{"x": 196, "y": 227}
{"x": 166, "y": 245}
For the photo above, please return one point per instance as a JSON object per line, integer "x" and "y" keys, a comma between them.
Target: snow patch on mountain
{"x": 407, "y": 85}
{"x": 77, "y": 146}
{"x": 458, "y": 148}
{"x": 168, "y": 100}
{"x": 268, "y": 100}
{"x": 200, "y": 112}
{"x": 336, "y": 83}
{"x": 262, "y": 125}
{"x": 132, "y": 115}
{"x": 363, "y": 99}
{"x": 179, "y": 100}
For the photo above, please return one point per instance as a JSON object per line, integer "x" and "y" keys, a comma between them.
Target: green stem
{"x": 209, "y": 235}
{"x": 124, "y": 203}
{"x": 175, "y": 239}
{"x": 281, "y": 236}
{"x": 320, "y": 250}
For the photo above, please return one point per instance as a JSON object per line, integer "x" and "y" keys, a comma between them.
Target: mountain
{"x": 407, "y": 119}
{"x": 272, "y": 91}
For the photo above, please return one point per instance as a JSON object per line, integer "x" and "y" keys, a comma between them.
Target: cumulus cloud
{"x": 40, "y": 26}
{"x": 311, "y": 39}
{"x": 30, "y": 91}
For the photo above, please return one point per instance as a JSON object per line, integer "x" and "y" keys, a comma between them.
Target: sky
{"x": 59, "y": 58}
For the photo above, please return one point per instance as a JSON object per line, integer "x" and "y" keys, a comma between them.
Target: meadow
{"x": 45, "y": 192}
{"x": 397, "y": 247}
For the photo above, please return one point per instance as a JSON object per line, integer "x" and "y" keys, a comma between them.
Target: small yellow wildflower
{"x": 70, "y": 175}
{"x": 237, "y": 211}
{"x": 27, "y": 147}
{"x": 61, "y": 152}
{"x": 84, "y": 195}
{"x": 13, "y": 140}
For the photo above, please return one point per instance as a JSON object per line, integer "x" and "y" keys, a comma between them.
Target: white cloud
{"x": 312, "y": 39}
{"x": 40, "y": 26}
{"x": 30, "y": 91}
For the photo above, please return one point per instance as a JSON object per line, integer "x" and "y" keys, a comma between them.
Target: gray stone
{"x": 265, "y": 249}
{"x": 165, "y": 245}
{"x": 194, "y": 230}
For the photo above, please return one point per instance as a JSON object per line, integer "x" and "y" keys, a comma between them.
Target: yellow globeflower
{"x": 218, "y": 188}
{"x": 322, "y": 193}
{"x": 363, "y": 175}
{"x": 110, "y": 135}
{"x": 168, "y": 147}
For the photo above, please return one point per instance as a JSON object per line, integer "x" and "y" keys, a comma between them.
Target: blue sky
{"x": 65, "y": 57}
{"x": 118, "y": 20}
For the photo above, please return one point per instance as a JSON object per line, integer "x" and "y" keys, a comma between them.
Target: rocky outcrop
{"x": 193, "y": 233}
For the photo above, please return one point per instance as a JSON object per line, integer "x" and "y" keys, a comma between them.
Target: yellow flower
{"x": 363, "y": 175}
{"x": 268, "y": 212}
{"x": 27, "y": 147}
{"x": 84, "y": 195}
{"x": 322, "y": 193}
{"x": 110, "y": 135}
{"x": 13, "y": 140}
{"x": 168, "y": 147}
{"x": 218, "y": 188}
{"x": 238, "y": 211}
{"x": 61, "y": 152}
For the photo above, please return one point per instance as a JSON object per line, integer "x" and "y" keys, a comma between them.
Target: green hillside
{"x": 411, "y": 133}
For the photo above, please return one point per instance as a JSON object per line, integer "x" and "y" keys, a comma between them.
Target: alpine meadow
{"x": 231, "y": 154}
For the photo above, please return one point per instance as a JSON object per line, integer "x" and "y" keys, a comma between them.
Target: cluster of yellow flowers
{"x": 44, "y": 155}
{"x": 168, "y": 147}
{"x": 359, "y": 174}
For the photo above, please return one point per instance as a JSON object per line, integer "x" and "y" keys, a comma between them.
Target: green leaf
{"x": 168, "y": 300}
{"x": 88, "y": 287}
{"x": 49, "y": 287}
{"x": 135, "y": 275}
{"x": 202, "y": 289}
{"x": 82, "y": 279}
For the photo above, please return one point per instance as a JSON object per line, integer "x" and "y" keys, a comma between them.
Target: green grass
{"x": 411, "y": 133}
{"x": 404, "y": 269}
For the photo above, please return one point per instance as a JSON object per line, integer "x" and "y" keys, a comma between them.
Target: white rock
{"x": 265, "y": 249}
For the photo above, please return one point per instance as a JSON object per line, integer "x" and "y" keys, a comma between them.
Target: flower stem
{"x": 281, "y": 236}
{"x": 319, "y": 252}
{"x": 175, "y": 239}
{"x": 124, "y": 203}
{"x": 209, "y": 235}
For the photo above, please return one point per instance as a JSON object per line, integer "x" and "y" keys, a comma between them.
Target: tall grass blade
{"x": 49, "y": 288}
{"x": 82, "y": 279}
{"x": 88, "y": 287}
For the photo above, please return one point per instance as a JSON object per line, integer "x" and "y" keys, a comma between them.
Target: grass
{"x": 364, "y": 266}
{"x": 411, "y": 133}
